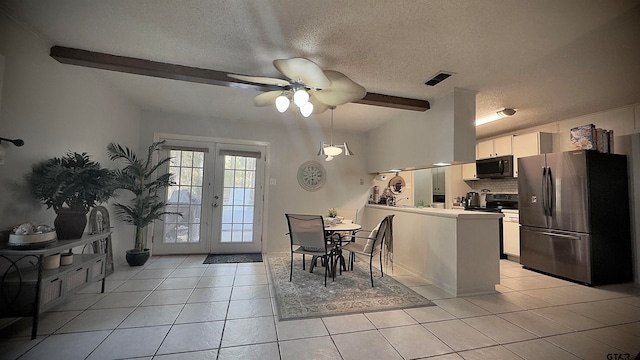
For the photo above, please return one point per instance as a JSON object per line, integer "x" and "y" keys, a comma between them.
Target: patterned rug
{"x": 232, "y": 258}
{"x": 306, "y": 297}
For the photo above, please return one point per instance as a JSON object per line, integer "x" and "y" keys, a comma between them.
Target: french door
{"x": 219, "y": 196}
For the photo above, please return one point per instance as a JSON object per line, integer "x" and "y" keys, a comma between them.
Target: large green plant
{"x": 73, "y": 181}
{"x": 139, "y": 177}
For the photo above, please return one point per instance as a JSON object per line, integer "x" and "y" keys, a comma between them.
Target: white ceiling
{"x": 550, "y": 59}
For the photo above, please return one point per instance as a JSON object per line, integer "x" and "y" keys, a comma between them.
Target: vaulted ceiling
{"x": 549, "y": 59}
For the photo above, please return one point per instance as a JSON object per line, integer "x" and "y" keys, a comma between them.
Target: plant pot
{"x": 137, "y": 257}
{"x": 70, "y": 224}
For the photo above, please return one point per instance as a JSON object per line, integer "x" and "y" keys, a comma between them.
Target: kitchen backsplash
{"x": 502, "y": 186}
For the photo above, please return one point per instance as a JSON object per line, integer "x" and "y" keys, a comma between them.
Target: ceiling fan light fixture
{"x": 301, "y": 97}
{"x": 282, "y": 103}
{"x": 306, "y": 109}
{"x": 329, "y": 158}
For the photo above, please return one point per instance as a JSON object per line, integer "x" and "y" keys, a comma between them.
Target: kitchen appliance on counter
{"x": 472, "y": 200}
{"x": 574, "y": 216}
{"x": 496, "y": 203}
{"x": 495, "y": 168}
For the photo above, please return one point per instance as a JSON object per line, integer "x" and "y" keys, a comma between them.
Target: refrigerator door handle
{"x": 549, "y": 193}
{"x": 561, "y": 236}
{"x": 544, "y": 190}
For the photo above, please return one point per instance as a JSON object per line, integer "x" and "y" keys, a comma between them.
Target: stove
{"x": 496, "y": 203}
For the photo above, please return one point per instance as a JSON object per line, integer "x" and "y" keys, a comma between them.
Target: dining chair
{"x": 308, "y": 237}
{"x": 372, "y": 244}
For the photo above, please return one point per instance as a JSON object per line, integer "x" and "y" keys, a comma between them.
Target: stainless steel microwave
{"x": 495, "y": 168}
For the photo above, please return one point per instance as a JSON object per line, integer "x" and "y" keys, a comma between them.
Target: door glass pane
{"x": 238, "y": 199}
{"x": 185, "y": 197}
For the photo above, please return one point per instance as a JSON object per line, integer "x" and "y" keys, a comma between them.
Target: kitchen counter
{"x": 454, "y": 249}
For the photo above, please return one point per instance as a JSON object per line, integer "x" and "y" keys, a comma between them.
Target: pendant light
{"x": 330, "y": 150}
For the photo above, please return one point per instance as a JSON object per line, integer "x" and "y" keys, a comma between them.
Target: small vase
{"x": 70, "y": 224}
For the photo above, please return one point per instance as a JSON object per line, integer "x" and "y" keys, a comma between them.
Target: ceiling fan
{"x": 311, "y": 89}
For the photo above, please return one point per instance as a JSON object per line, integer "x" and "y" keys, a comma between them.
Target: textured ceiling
{"x": 550, "y": 59}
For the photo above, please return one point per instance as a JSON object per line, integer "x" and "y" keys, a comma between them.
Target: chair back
{"x": 306, "y": 230}
{"x": 380, "y": 236}
{"x": 349, "y": 214}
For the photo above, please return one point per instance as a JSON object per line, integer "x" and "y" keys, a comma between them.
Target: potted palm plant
{"x": 139, "y": 176}
{"x": 71, "y": 185}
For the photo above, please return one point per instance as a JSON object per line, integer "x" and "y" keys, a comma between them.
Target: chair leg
{"x": 303, "y": 262}
{"x": 381, "y": 273}
{"x": 291, "y": 267}
{"x": 371, "y": 269}
{"x": 326, "y": 268}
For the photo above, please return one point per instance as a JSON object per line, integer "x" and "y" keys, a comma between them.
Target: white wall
{"x": 290, "y": 146}
{"x": 54, "y": 108}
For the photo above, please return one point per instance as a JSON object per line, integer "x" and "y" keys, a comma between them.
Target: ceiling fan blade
{"x": 318, "y": 106}
{"x": 266, "y": 98}
{"x": 260, "y": 80}
{"x": 342, "y": 90}
{"x": 302, "y": 69}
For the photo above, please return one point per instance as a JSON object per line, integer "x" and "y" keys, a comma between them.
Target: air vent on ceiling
{"x": 437, "y": 78}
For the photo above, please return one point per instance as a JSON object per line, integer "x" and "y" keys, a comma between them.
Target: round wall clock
{"x": 311, "y": 175}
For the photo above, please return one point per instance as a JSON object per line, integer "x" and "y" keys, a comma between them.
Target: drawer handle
{"x": 54, "y": 280}
{"x": 79, "y": 269}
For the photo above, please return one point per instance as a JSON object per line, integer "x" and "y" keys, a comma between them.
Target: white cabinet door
{"x": 469, "y": 171}
{"x": 502, "y": 146}
{"x": 485, "y": 149}
{"x": 495, "y": 147}
{"x": 529, "y": 145}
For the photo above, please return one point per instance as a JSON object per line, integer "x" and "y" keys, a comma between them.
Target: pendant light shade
{"x": 332, "y": 150}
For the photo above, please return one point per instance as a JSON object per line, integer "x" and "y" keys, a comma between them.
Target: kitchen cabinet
{"x": 530, "y": 144}
{"x": 495, "y": 147}
{"x": 29, "y": 289}
{"x": 469, "y": 171}
{"x": 438, "y": 176}
{"x": 511, "y": 233}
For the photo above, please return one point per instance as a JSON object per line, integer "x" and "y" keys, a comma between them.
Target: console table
{"x": 27, "y": 289}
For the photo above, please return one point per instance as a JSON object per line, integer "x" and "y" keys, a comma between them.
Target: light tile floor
{"x": 177, "y": 308}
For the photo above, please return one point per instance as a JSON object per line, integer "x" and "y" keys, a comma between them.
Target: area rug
{"x": 232, "y": 258}
{"x": 350, "y": 293}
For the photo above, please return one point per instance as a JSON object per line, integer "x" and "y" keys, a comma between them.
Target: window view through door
{"x": 219, "y": 192}
{"x": 185, "y": 197}
{"x": 238, "y": 199}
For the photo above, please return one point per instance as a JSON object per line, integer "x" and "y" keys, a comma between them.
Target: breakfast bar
{"x": 456, "y": 250}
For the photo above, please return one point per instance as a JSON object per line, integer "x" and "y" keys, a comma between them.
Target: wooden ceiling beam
{"x": 137, "y": 66}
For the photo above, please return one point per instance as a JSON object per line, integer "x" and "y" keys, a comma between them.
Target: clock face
{"x": 311, "y": 176}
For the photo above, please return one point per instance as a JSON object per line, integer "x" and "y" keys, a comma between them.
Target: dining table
{"x": 341, "y": 227}
{"x": 344, "y": 226}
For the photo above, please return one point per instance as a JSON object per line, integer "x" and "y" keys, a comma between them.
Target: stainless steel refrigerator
{"x": 574, "y": 216}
